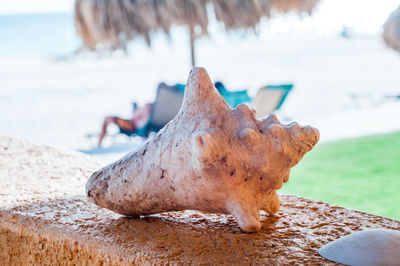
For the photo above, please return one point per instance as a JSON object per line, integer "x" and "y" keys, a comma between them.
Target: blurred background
{"x": 57, "y": 86}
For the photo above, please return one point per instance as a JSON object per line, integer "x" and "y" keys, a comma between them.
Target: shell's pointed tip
{"x": 198, "y": 71}
{"x": 199, "y": 84}
{"x": 198, "y": 68}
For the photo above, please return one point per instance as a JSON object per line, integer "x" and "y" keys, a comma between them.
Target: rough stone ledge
{"x": 46, "y": 219}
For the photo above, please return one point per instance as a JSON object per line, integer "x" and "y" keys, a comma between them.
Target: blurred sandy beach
{"x": 341, "y": 85}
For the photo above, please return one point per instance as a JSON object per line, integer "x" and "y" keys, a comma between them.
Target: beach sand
{"x": 340, "y": 85}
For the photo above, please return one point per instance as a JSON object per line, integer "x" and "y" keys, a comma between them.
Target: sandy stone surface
{"x": 45, "y": 218}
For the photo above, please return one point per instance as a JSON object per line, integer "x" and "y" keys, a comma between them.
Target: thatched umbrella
{"x": 117, "y": 21}
{"x": 391, "y": 30}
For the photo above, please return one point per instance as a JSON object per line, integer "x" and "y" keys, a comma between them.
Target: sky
{"x": 35, "y": 6}
{"x": 366, "y": 16}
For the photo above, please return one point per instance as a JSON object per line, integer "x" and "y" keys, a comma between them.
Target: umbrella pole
{"x": 192, "y": 39}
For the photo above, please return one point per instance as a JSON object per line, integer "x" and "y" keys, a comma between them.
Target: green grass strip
{"x": 361, "y": 174}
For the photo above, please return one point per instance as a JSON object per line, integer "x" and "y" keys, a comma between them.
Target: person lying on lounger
{"x": 139, "y": 119}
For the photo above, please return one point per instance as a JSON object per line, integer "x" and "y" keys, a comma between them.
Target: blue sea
{"x": 50, "y": 34}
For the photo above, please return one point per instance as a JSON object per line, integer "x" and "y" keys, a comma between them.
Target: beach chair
{"x": 233, "y": 98}
{"x": 164, "y": 108}
{"x": 270, "y": 98}
{"x": 166, "y": 105}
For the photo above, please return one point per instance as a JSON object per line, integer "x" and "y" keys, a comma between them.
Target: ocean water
{"x": 48, "y": 34}
{"x": 54, "y": 35}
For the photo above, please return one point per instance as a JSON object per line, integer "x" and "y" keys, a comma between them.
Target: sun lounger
{"x": 270, "y": 98}
{"x": 165, "y": 107}
{"x": 233, "y": 98}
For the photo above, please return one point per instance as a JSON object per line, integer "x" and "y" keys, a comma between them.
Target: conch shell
{"x": 209, "y": 158}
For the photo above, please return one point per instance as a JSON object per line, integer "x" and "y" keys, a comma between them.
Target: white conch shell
{"x": 367, "y": 248}
{"x": 210, "y": 158}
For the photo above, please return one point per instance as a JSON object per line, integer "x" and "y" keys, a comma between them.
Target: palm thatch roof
{"x": 391, "y": 30}
{"x": 115, "y": 21}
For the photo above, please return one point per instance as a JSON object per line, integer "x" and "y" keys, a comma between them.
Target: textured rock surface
{"x": 45, "y": 218}
{"x": 209, "y": 158}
